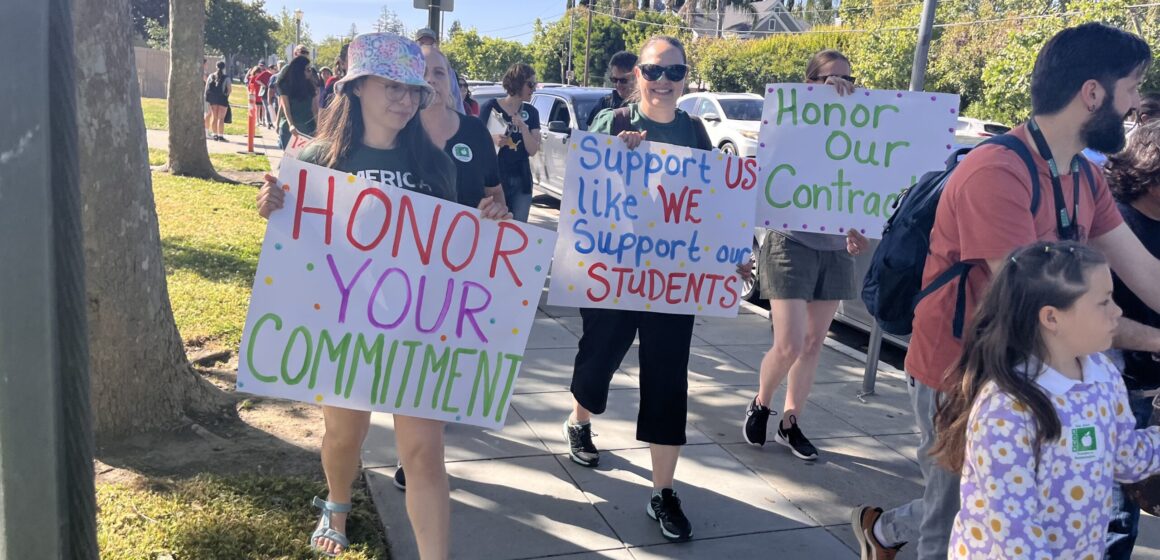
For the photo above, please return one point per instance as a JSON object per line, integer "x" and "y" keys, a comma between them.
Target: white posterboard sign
{"x": 372, "y": 297}
{"x": 297, "y": 142}
{"x": 661, "y": 228}
{"x": 830, "y": 163}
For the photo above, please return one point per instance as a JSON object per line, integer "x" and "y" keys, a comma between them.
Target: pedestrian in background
{"x": 520, "y": 141}
{"x": 296, "y": 99}
{"x": 217, "y": 95}
{"x": 620, "y": 68}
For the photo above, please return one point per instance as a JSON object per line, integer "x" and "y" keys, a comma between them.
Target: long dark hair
{"x": 220, "y": 75}
{"x": 1136, "y": 170}
{"x": 294, "y": 83}
{"x": 341, "y": 128}
{"x": 1004, "y": 344}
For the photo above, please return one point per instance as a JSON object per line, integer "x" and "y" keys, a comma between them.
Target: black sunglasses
{"x": 619, "y": 80}
{"x": 850, "y": 79}
{"x": 674, "y": 72}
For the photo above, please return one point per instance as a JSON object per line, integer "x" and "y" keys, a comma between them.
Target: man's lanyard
{"x": 1066, "y": 225}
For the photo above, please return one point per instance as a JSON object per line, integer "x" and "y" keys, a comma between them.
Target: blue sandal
{"x": 324, "y": 531}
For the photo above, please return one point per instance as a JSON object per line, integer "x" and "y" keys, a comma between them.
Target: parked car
{"x": 971, "y": 131}
{"x": 483, "y": 94}
{"x": 562, "y": 110}
{"x": 471, "y": 84}
{"x": 732, "y": 119}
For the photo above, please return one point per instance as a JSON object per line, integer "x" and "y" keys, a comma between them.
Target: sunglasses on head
{"x": 674, "y": 72}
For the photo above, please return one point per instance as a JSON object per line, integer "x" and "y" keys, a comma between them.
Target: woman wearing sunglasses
{"x": 522, "y": 139}
{"x": 664, "y": 338}
{"x": 805, "y": 275}
{"x": 372, "y": 129}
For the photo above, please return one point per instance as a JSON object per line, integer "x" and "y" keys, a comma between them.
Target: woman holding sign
{"x": 805, "y": 275}
{"x": 372, "y": 129}
{"x": 664, "y": 338}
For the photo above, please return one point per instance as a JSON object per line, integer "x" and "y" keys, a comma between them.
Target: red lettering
{"x": 750, "y": 174}
{"x": 729, "y": 282}
{"x": 501, "y": 253}
{"x": 620, "y": 281}
{"x": 692, "y": 204}
{"x": 656, "y": 283}
{"x": 674, "y": 284}
{"x": 406, "y": 207}
{"x": 672, "y": 204}
{"x": 354, "y": 212}
{"x": 474, "y": 241}
{"x": 746, "y": 175}
{"x": 694, "y": 291}
{"x": 594, "y": 273}
{"x": 301, "y": 208}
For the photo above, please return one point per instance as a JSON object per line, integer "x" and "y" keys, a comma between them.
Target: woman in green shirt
{"x": 297, "y": 96}
{"x": 372, "y": 129}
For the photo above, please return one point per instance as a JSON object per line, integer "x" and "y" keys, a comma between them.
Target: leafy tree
{"x": 235, "y": 28}
{"x": 329, "y": 49}
{"x": 144, "y": 11}
{"x": 483, "y": 58}
{"x": 456, "y": 28}
{"x": 284, "y": 34}
{"x": 188, "y": 155}
{"x": 390, "y": 22}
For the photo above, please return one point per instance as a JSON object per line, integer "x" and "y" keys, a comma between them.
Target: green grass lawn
{"x": 221, "y": 162}
{"x": 157, "y": 115}
{"x": 211, "y": 235}
{"x": 216, "y": 517}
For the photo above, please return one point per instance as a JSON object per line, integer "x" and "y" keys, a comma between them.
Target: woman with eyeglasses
{"x": 664, "y": 338}
{"x": 521, "y": 141}
{"x": 372, "y": 129}
{"x": 805, "y": 275}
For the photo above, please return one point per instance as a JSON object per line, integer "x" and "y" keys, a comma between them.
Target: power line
{"x": 550, "y": 18}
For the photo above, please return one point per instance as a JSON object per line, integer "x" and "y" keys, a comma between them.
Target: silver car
{"x": 562, "y": 110}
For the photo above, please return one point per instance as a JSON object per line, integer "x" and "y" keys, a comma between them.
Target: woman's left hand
{"x": 856, "y": 243}
{"x": 844, "y": 87}
{"x": 745, "y": 270}
{"x": 490, "y": 209}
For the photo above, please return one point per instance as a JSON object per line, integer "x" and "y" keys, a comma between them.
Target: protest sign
{"x": 373, "y": 297}
{"x": 830, "y": 162}
{"x": 661, "y": 228}
{"x": 297, "y": 142}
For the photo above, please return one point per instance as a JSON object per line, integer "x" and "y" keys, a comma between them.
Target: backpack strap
{"x": 1016, "y": 145}
{"x": 1087, "y": 165}
{"x": 621, "y": 120}
{"x": 958, "y": 270}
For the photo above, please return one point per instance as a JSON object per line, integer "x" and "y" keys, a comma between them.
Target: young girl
{"x": 1040, "y": 426}
{"x": 372, "y": 129}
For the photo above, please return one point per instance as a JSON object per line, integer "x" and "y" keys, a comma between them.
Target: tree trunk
{"x": 720, "y": 17}
{"x": 188, "y": 155}
{"x": 140, "y": 378}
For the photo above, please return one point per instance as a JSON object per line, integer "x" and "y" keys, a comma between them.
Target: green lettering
{"x": 832, "y": 108}
{"x": 514, "y": 365}
{"x": 253, "y": 339}
{"x": 802, "y": 189}
{"x": 482, "y": 371}
{"x": 860, "y": 116}
{"x": 411, "y": 345}
{"x": 890, "y": 147}
{"x": 364, "y": 353}
{"x": 382, "y": 380}
{"x": 769, "y": 184}
{"x": 854, "y": 194}
{"x": 817, "y": 115}
{"x": 878, "y": 109}
{"x": 454, "y": 374}
{"x": 830, "y": 153}
{"x": 817, "y": 198}
{"x": 305, "y": 359}
{"x": 872, "y": 205}
{"x": 431, "y": 362}
{"x": 782, "y": 109}
{"x": 335, "y": 353}
{"x": 870, "y": 159}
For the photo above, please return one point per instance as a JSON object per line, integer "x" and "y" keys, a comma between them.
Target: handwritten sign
{"x": 372, "y": 297}
{"x": 661, "y": 228}
{"x": 831, "y": 162}
{"x": 297, "y": 142}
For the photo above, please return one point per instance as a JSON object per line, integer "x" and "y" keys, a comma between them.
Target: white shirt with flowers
{"x": 1057, "y": 505}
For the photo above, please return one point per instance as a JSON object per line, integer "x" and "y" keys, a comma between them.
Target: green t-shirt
{"x": 680, "y": 131}
{"x": 302, "y": 110}
{"x": 390, "y": 167}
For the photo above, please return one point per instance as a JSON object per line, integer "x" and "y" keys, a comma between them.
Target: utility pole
{"x": 571, "y": 32}
{"x": 587, "y": 39}
{"x": 433, "y": 18}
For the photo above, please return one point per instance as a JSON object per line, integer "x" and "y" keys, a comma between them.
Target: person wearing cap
{"x": 381, "y": 95}
{"x": 426, "y": 37}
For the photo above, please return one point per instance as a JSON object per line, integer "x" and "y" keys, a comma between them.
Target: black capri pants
{"x": 664, "y": 367}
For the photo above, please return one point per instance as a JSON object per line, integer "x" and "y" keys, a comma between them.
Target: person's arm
{"x": 284, "y": 104}
{"x": 1134, "y": 335}
{"x": 1137, "y": 452}
{"x": 530, "y": 130}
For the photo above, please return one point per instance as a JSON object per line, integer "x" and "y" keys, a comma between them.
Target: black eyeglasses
{"x": 619, "y": 81}
{"x": 674, "y": 72}
{"x": 850, "y": 79}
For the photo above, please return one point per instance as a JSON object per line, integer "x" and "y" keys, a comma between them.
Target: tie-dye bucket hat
{"x": 386, "y": 55}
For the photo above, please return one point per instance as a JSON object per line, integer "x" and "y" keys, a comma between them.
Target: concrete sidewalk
{"x": 516, "y": 494}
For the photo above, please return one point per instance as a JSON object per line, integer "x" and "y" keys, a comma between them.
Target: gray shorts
{"x": 790, "y": 270}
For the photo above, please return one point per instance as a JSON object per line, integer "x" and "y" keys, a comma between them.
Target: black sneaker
{"x": 795, "y": 440}
{"x": 756, "y": 422}
{"x": 400, "y": 478}
{"x": 580, "y": 447}
{"x": 665, "y": 509}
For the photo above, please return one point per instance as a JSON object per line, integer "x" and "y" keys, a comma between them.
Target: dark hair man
{"x": 620, "y": 74}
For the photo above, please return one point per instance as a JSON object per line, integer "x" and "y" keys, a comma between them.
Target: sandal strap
{"x": 332, "y": 535}
{"x": 331, "y": 506}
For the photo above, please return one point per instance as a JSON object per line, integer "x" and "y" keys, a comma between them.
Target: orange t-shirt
{"x": 984, "y": 214}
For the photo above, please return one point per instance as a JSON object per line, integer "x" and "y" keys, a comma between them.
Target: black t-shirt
{"x": 1141, "y": 371}
{"x": 610, "y": 101}
{"x": 391, "y": 167}
{"x": 473, "y": 153}
{"x": 514, "y": 168}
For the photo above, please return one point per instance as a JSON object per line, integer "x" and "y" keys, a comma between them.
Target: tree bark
{"x": 140, "y": 378}
{"x": 188, "y": 155}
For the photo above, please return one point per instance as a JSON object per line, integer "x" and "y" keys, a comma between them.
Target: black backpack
{"x": 893, "y": 285}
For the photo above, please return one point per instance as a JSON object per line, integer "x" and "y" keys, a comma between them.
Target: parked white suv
{"x": 732, "y": 119}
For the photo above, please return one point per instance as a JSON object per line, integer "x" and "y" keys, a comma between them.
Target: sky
{"x": 510, "y": 19}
